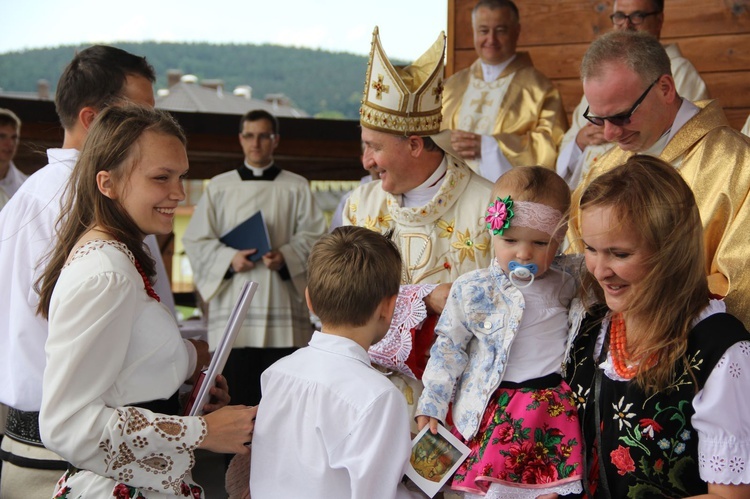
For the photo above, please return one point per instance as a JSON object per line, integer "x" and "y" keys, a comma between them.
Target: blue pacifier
{"x": 521, "y": 272}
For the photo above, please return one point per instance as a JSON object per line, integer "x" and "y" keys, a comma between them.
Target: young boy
{"x": 329, "y": 425}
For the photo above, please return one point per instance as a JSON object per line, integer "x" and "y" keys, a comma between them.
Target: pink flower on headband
{"x": 499, "y": 214}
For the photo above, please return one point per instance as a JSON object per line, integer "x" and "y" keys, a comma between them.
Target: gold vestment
{"x": 530, "y": 120}
{"x": 714, "y": 160}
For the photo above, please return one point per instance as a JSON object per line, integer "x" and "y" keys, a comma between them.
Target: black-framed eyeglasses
{"x": 621, "y": 119}
{"x": 635, "y": 18}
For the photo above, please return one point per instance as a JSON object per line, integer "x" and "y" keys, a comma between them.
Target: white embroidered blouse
{"x": 111, "y": 345}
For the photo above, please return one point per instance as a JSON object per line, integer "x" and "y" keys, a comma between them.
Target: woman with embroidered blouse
{"x": 111, "y": 344}
{"x": 661, "y": 372}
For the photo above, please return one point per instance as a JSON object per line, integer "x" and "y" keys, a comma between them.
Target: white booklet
{"x": 207, "y": 380}
{"x": 434, "y": 459}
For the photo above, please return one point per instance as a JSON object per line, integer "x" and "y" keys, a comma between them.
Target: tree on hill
{"x": 321, "y": 83}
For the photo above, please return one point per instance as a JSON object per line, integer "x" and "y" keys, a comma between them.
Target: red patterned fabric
{"x": 528, "y": 437}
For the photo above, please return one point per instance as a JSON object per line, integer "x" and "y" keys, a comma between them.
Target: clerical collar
{"x": 248, "y": 172}
{"x": 423, "y": 194}
{"x": 687, "y": 110}
{"x": 656, "y": 149}
{"x": 491, "y": 72}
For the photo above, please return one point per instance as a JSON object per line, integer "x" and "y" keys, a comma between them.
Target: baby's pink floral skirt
{"x": 528, "y": 438}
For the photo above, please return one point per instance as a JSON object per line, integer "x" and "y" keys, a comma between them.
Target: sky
{"x": 407, "y": 27}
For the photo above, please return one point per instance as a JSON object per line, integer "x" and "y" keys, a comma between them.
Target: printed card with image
{"x": 434, "y": 459}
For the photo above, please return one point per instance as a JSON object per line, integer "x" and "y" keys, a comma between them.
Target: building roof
{"x": 191, "y": 97}
{"x": 11, "y": 94}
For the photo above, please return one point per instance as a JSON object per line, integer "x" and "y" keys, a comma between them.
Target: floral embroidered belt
{"x": 23, "y": 426}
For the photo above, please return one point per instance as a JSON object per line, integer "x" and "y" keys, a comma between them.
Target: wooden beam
{"x": 317, "y": 149}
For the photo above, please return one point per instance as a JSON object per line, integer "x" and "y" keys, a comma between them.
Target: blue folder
{"x": 252, "y": 233}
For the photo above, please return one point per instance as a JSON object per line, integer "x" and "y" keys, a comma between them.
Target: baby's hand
{"x": 424, "y": 420}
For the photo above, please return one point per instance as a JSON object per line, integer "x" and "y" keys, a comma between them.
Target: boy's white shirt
{"x": 330, "y": 426}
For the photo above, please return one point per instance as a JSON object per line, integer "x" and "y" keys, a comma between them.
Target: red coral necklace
{"x": 618, "y": 344}
{"x": 146, "y": 282}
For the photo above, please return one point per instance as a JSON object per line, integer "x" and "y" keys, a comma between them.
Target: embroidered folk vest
{"x": 646, "y": 445}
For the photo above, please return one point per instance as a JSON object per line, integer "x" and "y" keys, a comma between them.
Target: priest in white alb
{"x": 278, "y": 321}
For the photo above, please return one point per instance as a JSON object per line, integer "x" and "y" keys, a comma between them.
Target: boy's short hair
{"x": 349, "y": 273}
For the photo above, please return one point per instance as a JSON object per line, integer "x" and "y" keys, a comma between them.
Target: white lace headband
{"x": 524, "y": 214}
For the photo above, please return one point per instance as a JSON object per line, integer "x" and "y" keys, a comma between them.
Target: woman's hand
{"x": 203, "y": 359}
{"x": 423, "y": 421}
{"x": 219, "y": 395}
{"x": 229, "y": 429}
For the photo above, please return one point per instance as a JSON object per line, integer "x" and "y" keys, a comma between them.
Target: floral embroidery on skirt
{"x": 527, "y": 437}
{"x": 122, "y": 491}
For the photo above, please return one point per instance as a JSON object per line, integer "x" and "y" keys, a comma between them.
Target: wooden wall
{"x": 713, "y": 34}
{"x": 316, "y": 149}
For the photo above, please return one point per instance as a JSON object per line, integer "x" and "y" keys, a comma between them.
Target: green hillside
{"x": 319, "y": 82}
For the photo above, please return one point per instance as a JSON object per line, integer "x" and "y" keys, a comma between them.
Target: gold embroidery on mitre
{"x": 438, "y": 92}
{"x": 404, "y": 100}
{"x": 380, "y": 88}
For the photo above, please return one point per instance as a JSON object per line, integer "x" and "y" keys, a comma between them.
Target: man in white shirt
{"x": 584, "y": 143}
{"x": 97, "y": 77}
{"x": 11, "y": 177}
{"x": 329, "y": 425}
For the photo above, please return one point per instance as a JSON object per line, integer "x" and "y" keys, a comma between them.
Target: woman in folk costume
{"x": 111, "y": 344}
{"x": 500, "y": 346}
{"x": 661, "y": 372}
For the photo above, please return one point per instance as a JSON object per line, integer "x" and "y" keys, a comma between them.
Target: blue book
{"x": 252, "y": 233}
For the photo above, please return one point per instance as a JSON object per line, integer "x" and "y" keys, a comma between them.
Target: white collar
{"x": 491, "y": 72}
{"x": 339, "y": 345}
{"x": 687, "y": 110}
{"x": 258, "y": 172}
{"x": 684, "y": 114}
{"x": 423, "y": 194}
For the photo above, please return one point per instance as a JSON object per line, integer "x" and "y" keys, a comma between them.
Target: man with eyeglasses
{"x": 278, "y": 320}
{"x": 584, "y": 143}
{"x": 11, "y": 177}
{"x": 632, "y": 99}
{"x": 502, "y": 112}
